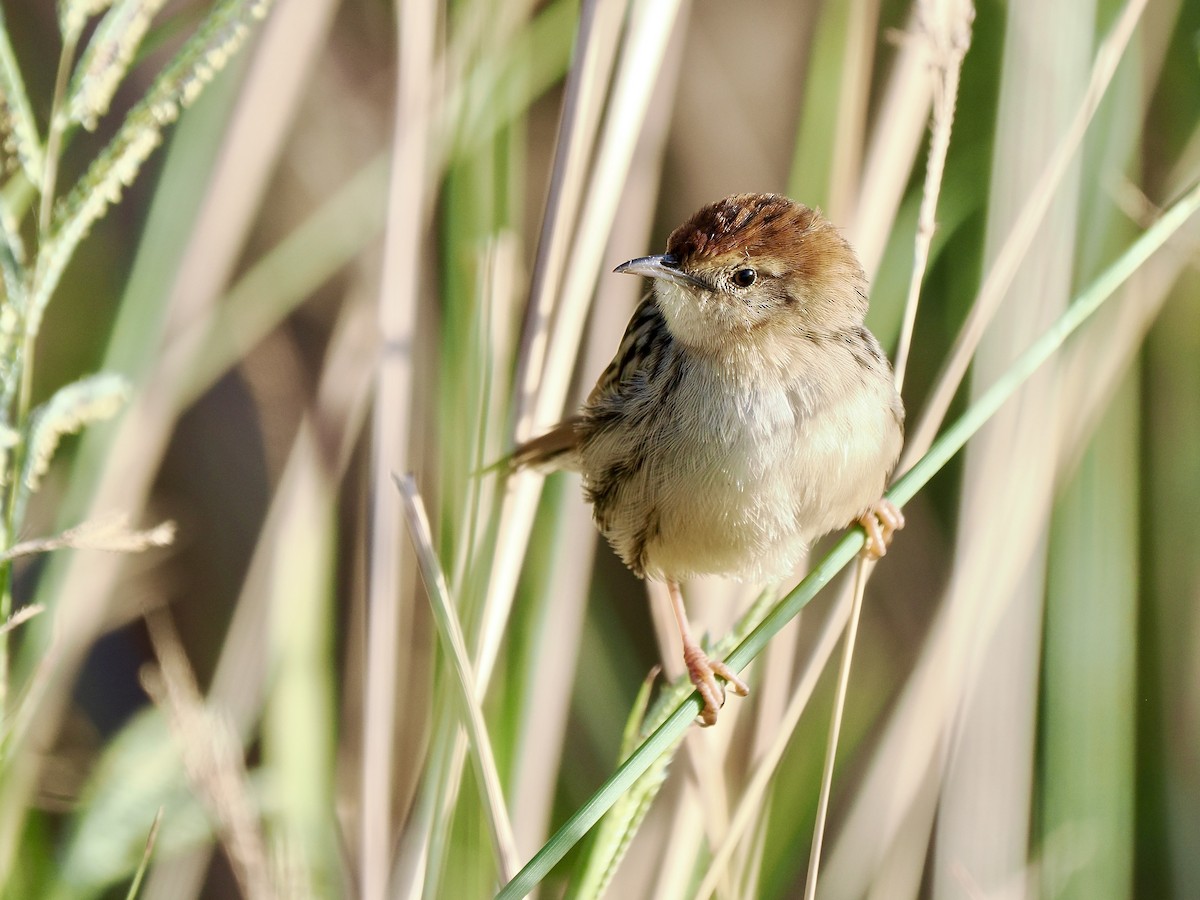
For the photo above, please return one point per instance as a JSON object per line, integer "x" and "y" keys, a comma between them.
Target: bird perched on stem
{"x": 747, "y": 411}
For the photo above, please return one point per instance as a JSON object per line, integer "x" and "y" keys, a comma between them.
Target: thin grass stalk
{"x": 212, "y": 760}
{"x": 551, "y": 676}
{"x": 20, "y": 121}
{"x": 898, "y": 129}
{"x": 681, "y": 846}
{"x": 451, "y": 634}
{"x": 861, "y": 575}
{"x": 853, "y": 104}
{"x": 776, "y": 688}
{"x": 489, "y": 340}
{"x": 474, "y": 29}
{"x": 151, "y": 839}
{"x": 82, "y": 590}
{"x": 390, "y": 606}
{"x": 238, "y": 685}
{"x": 649, "y": 28}
{"x": 1020, "y": 237}
{"x": 298, "y": 726}
{"x": 903, "y": 751}
{"x": 588, "y": 80}
{"x": 59, "y": 121}
{"x": 427, "y": 839}
{"x": 942, "y": 450}
{"x": 644, "y": 45}
{"x": 754, "y": 795}
{"x": 997, "y": 580}
{"x": 497, "y": 89}
{"x": 949, "y": 37}
{"x": 701, "y": 816}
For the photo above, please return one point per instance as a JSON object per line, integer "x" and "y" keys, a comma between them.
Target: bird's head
{"x": 754, "y": 264}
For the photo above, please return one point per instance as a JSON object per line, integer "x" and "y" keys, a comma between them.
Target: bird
{"x": 748, "y": 410}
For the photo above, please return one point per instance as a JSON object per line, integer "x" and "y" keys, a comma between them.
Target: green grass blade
{"x": 285, "y": 277}
{"x": 18, "y": 118}
{"x": 151, "y": 839}
{"x": 942, "y": 450}
{"x": 450, "y": 632}
{"x": 201, "y": 58}
{"x": 107, "y": 58}
{"x": 1089, "y": 673}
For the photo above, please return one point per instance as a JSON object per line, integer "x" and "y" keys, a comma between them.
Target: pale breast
{"x": 715, "y": 476}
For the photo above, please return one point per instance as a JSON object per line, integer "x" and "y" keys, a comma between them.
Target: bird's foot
{"x": 704, "y": 673}
{"x": 880, "y": 522}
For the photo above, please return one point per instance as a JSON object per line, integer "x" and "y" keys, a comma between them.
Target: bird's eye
{"x": 744, "y": 277}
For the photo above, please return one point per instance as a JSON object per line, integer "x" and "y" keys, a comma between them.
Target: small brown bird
{"x": 747, "y": 412}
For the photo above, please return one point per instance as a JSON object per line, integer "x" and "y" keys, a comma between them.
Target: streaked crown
{"x": 768, "y": 255}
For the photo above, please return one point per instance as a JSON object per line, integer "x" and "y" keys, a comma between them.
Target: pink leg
{"x": 702, "y": 670}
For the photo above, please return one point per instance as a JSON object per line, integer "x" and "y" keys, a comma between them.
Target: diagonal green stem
{"x": 942, "y": 450}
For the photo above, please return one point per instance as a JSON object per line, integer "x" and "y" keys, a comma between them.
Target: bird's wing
{"x": 641, "y": 347}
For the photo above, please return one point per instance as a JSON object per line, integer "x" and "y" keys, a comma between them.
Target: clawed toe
{"x": 704, "y": 673}
{"x": 880, "y": 522}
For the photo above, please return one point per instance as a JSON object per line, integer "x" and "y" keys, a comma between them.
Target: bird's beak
{"x": 663, "y": 267}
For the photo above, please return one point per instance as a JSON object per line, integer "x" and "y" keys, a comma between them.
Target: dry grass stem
{"x": 861, "y": 575}
{"x": 948, "y": 36}
{"x": 643, "y": 47}
{"x": 907, "y": 749}
{"x": 151, "y": 840}
{"x": 21, "y": 616}
{"x": 1025, "y": 227}
{"x": 947, "y": 33}
{"x": 389, "y": 604}
{"x": 845, "y": 179}
{"x": 649, "y": 28}
{"x": 212, "y": 759}
{"x": 109, "y": 533}
{"x": 753, "y": 795}
{"x": 892, "y": 146}
{"x": 587, "y": 82}
{"x": 445, "y": 613}
{"x": 85, "y": 589}
{"x": 381, "y": 242}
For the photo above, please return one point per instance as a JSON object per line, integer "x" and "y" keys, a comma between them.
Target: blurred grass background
{"x": 380, "y": 241}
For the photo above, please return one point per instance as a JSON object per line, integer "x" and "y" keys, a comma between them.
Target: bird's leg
{"x": 702, "y": 670}
{"x": 881, "y": 521}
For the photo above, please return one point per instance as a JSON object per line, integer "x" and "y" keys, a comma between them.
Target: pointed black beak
{"x": 665, "y": 267}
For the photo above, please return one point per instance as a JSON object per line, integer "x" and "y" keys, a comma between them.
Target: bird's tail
{"x": 556, "y": 449}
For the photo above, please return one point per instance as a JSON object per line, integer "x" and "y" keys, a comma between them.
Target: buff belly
{"x": 740, "y": 486}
